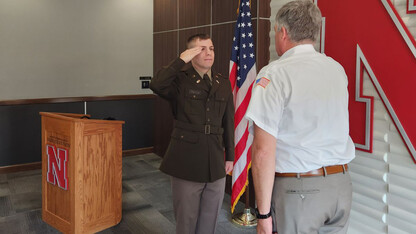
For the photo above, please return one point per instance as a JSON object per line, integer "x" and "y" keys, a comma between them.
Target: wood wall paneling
{"x": 222, "y": 36}
{"x": 165, "y": 49}
{"x": 163, "y": 126}
{"x": 194, "y": 13}
{"x": 264, "y": 8}
{"x": 263, "y": 44}
{"x": 185, "y": 34}
{"x": 224, "y": 11}
{"x": 253, "y": 9}
{"x": 165, "y": 15}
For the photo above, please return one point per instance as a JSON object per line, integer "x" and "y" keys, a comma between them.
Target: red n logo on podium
{"x": 57, "y": 166}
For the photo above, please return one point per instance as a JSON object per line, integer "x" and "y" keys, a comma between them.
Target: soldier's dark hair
{"x": 199, "y": 36}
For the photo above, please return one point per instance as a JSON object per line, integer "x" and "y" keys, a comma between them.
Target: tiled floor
{"x": 147, "y": 202}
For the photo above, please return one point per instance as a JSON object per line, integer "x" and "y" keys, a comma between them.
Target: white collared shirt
{"x": 302, "y": 100}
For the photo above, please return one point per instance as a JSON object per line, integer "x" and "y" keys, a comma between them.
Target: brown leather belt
{"x": 324, "y": 171}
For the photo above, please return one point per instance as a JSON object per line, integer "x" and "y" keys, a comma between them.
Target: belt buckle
{"x": 207, "y": 129}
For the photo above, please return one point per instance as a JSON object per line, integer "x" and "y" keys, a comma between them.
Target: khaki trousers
{"x": 197, "y": 205}
{"x": 309, "y": 205}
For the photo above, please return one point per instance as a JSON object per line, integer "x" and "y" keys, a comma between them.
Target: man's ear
{"x": 284, "y": 32}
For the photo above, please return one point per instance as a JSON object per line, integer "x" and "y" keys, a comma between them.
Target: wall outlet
{"x": 145, "y": 84}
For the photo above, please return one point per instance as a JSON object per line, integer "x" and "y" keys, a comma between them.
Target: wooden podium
{"x": 81, "y": 172}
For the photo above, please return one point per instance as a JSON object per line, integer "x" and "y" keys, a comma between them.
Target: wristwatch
{"x": 263, "y": 216}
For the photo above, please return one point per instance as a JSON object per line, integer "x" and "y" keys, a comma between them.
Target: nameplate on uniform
{"x": 194, "y": 92}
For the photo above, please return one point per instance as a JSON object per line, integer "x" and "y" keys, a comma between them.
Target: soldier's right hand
{"x": 189, "y": 54}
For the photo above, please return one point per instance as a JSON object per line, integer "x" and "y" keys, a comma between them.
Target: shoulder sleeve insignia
{"x": 263, "y": 82}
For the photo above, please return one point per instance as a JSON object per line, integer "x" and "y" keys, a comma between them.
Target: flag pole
{"x": 246, "y": 218}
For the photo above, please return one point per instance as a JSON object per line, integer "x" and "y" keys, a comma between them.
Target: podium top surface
{"x": 78, "y": 118}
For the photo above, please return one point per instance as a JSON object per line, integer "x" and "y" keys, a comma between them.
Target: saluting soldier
{"x": 201, "y": 149}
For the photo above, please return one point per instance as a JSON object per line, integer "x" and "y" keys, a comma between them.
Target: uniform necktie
{"x": 207, "y": 80}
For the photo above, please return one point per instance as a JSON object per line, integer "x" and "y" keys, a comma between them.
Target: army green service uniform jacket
{"x": 203, "y": 134}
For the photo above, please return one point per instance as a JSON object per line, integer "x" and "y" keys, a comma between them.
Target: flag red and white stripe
{"x": 242, "y": 76}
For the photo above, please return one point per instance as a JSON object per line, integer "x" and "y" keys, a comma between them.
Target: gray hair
{"x": 302, "y": 20}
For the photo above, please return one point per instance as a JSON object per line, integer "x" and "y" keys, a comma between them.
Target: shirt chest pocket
{"x": 220, "y": 103}
{"x": 195, "y": 101}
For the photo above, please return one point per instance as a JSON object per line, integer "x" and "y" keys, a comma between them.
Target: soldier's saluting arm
{"x": 165, "y": 83}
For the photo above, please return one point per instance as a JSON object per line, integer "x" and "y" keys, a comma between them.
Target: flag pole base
{"x": 246, "y": 219}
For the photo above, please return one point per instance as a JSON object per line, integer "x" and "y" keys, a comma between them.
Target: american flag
{"x": 242, "y": 76}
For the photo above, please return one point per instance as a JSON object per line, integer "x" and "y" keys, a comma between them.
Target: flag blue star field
{"x": 242, "y": 76}
{"x": 242, "y": 52}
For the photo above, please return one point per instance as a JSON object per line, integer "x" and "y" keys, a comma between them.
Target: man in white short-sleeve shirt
{"x": 299, "y": 116}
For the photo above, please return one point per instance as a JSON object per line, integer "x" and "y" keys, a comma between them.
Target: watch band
{"x": 263, "y": 216}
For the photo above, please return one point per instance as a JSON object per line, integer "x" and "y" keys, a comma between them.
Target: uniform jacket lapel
{"x": 196, "y": 79}
{"x": 216, "y": 81}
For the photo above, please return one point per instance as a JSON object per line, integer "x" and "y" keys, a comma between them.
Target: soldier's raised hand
{"x": 189, "y": 54}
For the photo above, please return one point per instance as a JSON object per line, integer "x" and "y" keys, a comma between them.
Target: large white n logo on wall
{"x": 57, "y": 166}
{"x": 389, "y": 52}
{"x": 411, "y": 6}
